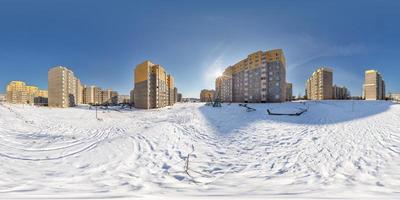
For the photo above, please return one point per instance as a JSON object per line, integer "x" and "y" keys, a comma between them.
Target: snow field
{"x": 340, "y": 149}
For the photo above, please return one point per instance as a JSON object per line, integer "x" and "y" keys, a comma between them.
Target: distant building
{"x": 374, "y": 86}
{"x": 170, "y": 83}
{"x": 132, "y": 97}
{"x": 95, "y": 95}
{"x": 62, "y": 87}
{"x": 340, "y": 92}
{"x": 79, "y": 92}
{"x": 20, "y": 93}
{"x": 92, "y": 95}
{"x": 179, "y": 97}
{"x": 261, "y": 77}
{"x": 289, "y": 91}
{"x": 319, "y": 85}
{"x": 42, "y": 98}
{"x": 175, "y": 94}
{"x": 124, "y": 99}
{"x": 207, "y": 95}
{"x": 3, "y": 97}
{"x": 394, "y": 96}
{"x": 153, "y": 88}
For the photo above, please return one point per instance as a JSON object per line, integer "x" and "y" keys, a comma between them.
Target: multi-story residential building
{"x": 207, "y": 95}
{"x": 319, "y": 85}
{"x": 62, "y": 87}
{"x": 394, "y": 96}
{"x": 16, "y": 92}
{"x": 374, "y": 86}
{"x": 92, "y": 95}
{"x": 79, "y": 92}
{"x": 179, "y": 97}
{"x": 175, "y": 94}
{"x": 3, "y": 97}
{"x": 105, "y": 96}
{"x": 124, "y": 99}
{"x": 42, "y": 98}
{"x": 132, "y": 96}
{"x": 20, "y": 93}
{"x": 261, "y": 77}
{"x": 289, "y": 91}
{"x": 151, "y": 86}
{"x": 340, "y": 92}
{"x": 170, "y": 83}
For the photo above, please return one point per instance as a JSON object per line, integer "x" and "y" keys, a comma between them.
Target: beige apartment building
{"x": 92, "y": 95}
{"x": 132, "y": 96}
{"x": 207, "y": 95}
{"x": 3, "y": 97}
{"x": 153, "y": 87}
{"x": 79, "y": 92}
{"x": 109, "y": 97}
{"x": 339, "y": 92}
{"x": 319, "y": 85}
{"x": 171, "y": 92}
{"x": 63, "y": 87}
{"x": 20, "y": 93}
{"x": 289, "y": 91}
{"x": 374, "y": 86}
{"x": 261, "y": 77}
{"x": 178, "y": 97}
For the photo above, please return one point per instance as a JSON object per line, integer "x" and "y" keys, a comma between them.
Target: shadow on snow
{"x": 232, "y": 117}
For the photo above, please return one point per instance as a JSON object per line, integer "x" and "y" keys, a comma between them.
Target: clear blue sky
{"x": 102, "y": 41}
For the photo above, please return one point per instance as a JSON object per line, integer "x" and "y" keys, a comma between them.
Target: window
{"x": 277, "y": 96}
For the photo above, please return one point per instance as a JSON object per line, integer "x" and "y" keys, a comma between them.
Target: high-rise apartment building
{"x": 289, "y": 91}
{"x": 132, "y": 96}
{"x": 261, "y": 77}
{"x": 319, "y": 85}
{"x": 94, "y": 95}
{"x": 20, "y": 93}
{"x": 340, "y": 92}
{"x": 123, "y": 99}
{"x": 3, "y": 97}
{"x": 109, "y": 97}
{"x": 16, "y": 92}
{"x": 207, "y": 95}
{"x": 374, "y": 86}
{"x": 152, "y": 88}
{"x": 170, "y": 83}
{"x": 179, "y": 97}
{"x": 79, "y": 92}
{"x": 62, "y": 87}
{"x": 175, "y": 94}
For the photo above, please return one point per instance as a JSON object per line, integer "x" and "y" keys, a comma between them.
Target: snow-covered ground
{"x": 338, "y": 149}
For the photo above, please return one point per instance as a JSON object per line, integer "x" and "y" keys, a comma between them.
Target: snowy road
{"x": 336, "y": 149}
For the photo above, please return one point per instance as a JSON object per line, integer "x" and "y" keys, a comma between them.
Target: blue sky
{"x": 102, "y": 41}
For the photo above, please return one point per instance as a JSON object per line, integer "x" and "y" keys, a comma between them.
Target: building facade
{"x": 124, "y": 99}
{"x": 63, "y": 90}
{"x": 261, "y": 77}
{"x": 319, "y": 85}
{"x": 3, "y": 98}
{"x": 20, "y": 93}
{"x": 171, "y": 96}
{"x": 289, "y": 91}
{"x": 179, "y": 97}
{"x": 374, "y": 86}
{"x": 339, "y": 92}
{"x": 207, "y": 95}
{"x": 132, "y": 97}
{"x": 153, "y": 87}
